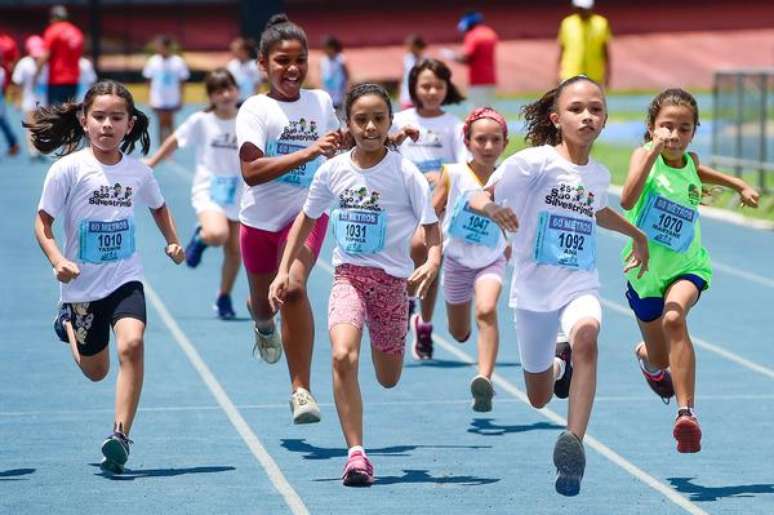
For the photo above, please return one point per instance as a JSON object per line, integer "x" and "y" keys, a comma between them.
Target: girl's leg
{"x": 536, "y": 336}
{"x": 215, "y": 228}
{"x": 487, "y": 291}
{"x": 459, "y": 320}
{"x": 129, "y": 343}
{"x": 388, "y": 367}
{"x": 232, "y": 259}
{"x": 583, "y": 340}
{"x": 345, "y": 340}
{"x": 680, "y": 296}
{"x": 655, "y": 352}
{"x": 419, "y": 256}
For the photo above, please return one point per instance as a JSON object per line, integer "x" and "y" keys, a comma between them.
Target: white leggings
{"x": 536, "y": 330}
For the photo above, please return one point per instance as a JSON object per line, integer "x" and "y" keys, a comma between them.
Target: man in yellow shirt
{"x": 583, "y": 44}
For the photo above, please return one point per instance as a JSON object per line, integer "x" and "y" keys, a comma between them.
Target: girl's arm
{"x": 297, "y": 235}
{"x": 163, "y": 218}
{"x": 502, "y": 216}
{"x": 165, "y": 150}
{"x": 257, "y": 169}
{"x": 64, "y": 269}
{"x": 424, "y": 275}
{"x": 641, "y": 162}
{"x": 748, "y": 195}
{"x": 639, "y": 256}
{"x": 441, "y": 193}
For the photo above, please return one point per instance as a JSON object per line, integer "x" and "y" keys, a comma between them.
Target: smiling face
{"x": 286, "y": 66}
{"x": 679, "y": 120}
{"x": 581, "y": 113}
{"x": 486, "y": 141}
{"x": 431, "y": 90}
{"x": 106, "y": 123}
{"x": 368, "y": 122}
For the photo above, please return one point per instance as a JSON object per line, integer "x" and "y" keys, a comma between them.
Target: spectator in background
{"x": 583, "y": 44}
{"x": 244, "y": 67}
{"x": 415, "y": 47}
{"x": 166, "y": 72}
{"x": 478, "y": 53}
{"x": 63, "y": 49}
{"x": 9, "y": 53}
{"x": 334, "y": 74}
{"x": 33, "y": 85}
{"x": 87, "y": 77}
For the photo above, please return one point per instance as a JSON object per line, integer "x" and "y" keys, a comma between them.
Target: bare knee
{"x": 96, "y": 372}
{"x": 131, "y": 349}
{"x": 344, "y": 361}
{"x": 296, "y": 291}
{"x": 388, "y": 380}
{"x": 673, "y": 321}
{"x": 584, "y": 346}
{"x": 538, "y": 399}
{"x": 486, "y": 313}
{"x": 459, "y": 333}
{"x": 214, "y": 238}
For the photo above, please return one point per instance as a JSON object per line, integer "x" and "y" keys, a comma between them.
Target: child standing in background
{"x": 33, "y": 90}
{"x": 166, "y": 73}
{"x": 334, "y": 74}
{"x": 244, "y": 67}
{"x": 415, "y": 47}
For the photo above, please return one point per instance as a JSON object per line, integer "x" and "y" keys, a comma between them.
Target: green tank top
{"x": 667, "y": 212}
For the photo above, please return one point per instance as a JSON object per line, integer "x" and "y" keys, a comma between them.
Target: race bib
{"x": 431, "y": 165}
{"x": 106, "y": 242}
{"x": 358, "y": 231}
{"x": 668, "y": 223}
{"x": 302, "y": 175}
{"x": 472, "y": 227}
{"x": 223, "y": 189}
{"x": 565, "y": 241}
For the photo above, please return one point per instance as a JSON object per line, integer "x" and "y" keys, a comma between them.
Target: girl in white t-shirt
{"x": 379, "y": 199}
{"x": 166, "y": 73}
{"x": 439, "y": 142}
{"x": 95, "y": 191}
{"x": 556, "y": 196}
{"x": 33, "y": 85}
{"x": 244, "y": 67}
{"x": 216, "y": 192}
{"x": 474, "y": 246}
{"x": 283, "y": 137}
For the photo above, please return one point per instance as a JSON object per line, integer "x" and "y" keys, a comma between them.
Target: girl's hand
{"x": 639, "y": 255}
{"x": 749, "y": 196}
{"x": 422, "y": 278}
{"x": 175, "y": 252}
{"x": 65, "y": 271}
{"x": 328, "y": 144}
{"x": 278, "y": 290}
{"x": 502, "y": 216}
{"x": 406, "y": 132}
{"x": 661, "y": 137}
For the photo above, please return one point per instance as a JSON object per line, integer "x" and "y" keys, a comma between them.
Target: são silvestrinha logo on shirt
{"x": 360, "y": 199}
{"x": 300, "y": 130}
{"x": 113, "y": 196}
{"x": 572, "y": 197}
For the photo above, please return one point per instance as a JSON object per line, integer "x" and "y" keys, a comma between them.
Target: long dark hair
{"x": 443, "y": 72}
{"x": 280, "y": 28}
{"x": 539, "y": 128}
{"x": 216, "y": 80}
{"x": 60, "y": 125}
{"x": 671, "y": 97}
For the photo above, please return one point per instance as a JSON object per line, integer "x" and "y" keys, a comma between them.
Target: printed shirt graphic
{"x": 165, "y": 77}
{"x": 77, "y": 189}
{"x": 440, "y": 140}
{"x": 539, "y": 182}
{"x": 393, "y": 187}
{"x": 266, "y": 123}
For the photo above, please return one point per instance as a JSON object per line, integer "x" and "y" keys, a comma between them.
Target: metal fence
{"x": 743, "y": 129}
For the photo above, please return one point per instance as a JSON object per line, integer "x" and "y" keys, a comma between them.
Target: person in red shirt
{"x": 478, "y": 53}
{"x": 64, "y": 47}
{"x": 9, "y": 54}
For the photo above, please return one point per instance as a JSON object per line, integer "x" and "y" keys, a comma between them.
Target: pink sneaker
{"x": 358, "y": 471}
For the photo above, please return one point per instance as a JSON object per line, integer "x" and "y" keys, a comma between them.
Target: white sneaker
{"x": 269, "y": 346}
{"x": 304, "y": 407}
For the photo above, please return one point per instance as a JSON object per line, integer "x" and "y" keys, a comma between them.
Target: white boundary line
{"x": 592, "y": 442}
{"x": 273, "y": 471}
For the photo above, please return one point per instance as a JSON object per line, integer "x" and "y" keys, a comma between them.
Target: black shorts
{"x": 92, "y": 320}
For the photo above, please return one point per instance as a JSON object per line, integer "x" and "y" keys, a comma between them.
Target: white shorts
{"x": 201, "y": 201}
{"x": 536, "y": 331}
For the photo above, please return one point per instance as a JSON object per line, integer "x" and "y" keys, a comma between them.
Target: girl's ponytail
{"x": 139, "y": 133}
{"x": 57, "y": 126}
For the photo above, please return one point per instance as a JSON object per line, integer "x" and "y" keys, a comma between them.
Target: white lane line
{"x": 592, "y": 442}
{"x": 739, "y": 360}
{"x": 276, "y": 476}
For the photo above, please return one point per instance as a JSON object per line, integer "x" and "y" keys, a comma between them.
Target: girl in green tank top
{"x": 662, "y": 195}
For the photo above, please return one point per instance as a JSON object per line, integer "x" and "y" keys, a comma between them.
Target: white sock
{"x": 559, "y": 368}
{"x": 647, "y": 367}
{"x": 354, "y": 449}
{"x": 690, "y": 410}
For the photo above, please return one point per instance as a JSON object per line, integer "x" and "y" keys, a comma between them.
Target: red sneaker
{"x": 687, "y": 432}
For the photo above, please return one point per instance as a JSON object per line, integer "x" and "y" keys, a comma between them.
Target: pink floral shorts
{"x": 366, "y": 295}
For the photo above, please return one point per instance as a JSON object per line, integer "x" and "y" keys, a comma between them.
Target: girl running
{"x": 558, "y": 196}
{"x": 283, "y": 137}
{"x": 662, "y": 194}
{"x": 217, "y": 184}
{"x": 439, "y": 142}
{"x": 474, "y": 247}
{"x": 380, "y": 198}
{"x": 95, "y": 190}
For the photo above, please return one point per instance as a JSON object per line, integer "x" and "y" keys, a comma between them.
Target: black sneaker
{"x": 62, "y": 316}
{"x": 562, "y": 385}
{"x": 115, "y": 450}
{"x": 570, "y": 462}
{"x": 224, "y": 308}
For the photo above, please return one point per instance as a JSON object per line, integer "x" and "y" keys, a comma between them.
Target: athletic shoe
{"x": 687, "y": 432}
{"x": 268, "y": 346}
{"x": 481, "y": 388}
{"x": 195, "y": 249}
{"x": 224, "y": 307}
{"x": 358, "y": 471}
{"x": 422, "y": 345}
{"x": 570, "y": 462}
{"x": 304, "y": 407}
{"x": 660, "y": 382}
{"x": 115, "y": 450}
{"x": 61, "y": 317}
{"x": 562, "y": 385}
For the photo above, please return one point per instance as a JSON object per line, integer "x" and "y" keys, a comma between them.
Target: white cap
{"x": 583, "y": 4}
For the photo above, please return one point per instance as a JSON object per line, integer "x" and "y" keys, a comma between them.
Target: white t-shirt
{"x": 165, "y": 77}
{"x": 409, "y": 60}
{"x": 216, "y": 151}
{"x": 392, "y": 189}
{"x": 247, "y": 76}
{"x": 537, "y": 183}
{"x": 440, "y": 140}
{"x": 462, "y": 182}
{"x": 280, "y": 128}
{"x": 86, "y": 78}
{"x": 334, "y": 80}
{"x": 79, "y": 188}
{"x": 34, "y": 93}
